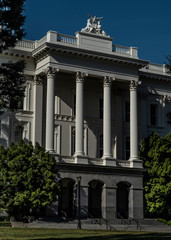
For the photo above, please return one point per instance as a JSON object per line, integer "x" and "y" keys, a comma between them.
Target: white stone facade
{"x": 90, "y": 102}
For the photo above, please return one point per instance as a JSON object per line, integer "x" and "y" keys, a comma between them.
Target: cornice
{"x": 48, "y": 47}
{"x": 18, "y": 53}
{"x": 106, "y": 170}
{"x": 155, "y": 76}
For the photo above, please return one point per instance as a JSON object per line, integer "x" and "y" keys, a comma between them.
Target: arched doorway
{"x": 95, "y": 199}
{"x": 66, "y": 201}
{"x": 123, "y": 200}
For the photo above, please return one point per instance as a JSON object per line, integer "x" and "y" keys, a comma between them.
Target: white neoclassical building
{"x": 89, "y": 102}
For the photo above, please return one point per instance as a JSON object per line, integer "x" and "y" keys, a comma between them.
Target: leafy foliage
{"x": 27, "y": 179}
{"x": 11, "y": 23}
{"x": 11, "y": 31}
{"x": 11, "y": 84}
{"x": 156, "y": 153}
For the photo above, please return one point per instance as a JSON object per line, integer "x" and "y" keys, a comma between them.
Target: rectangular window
{"x": 57, "y": 139}
{"x": 72, "y": 141}
{"x": 101, "y": 108}
{"x": 74, "y": 106}
{"x": 127, "y": 111}
{"x": 101, "y": 145}
{"x": 153, "y": 114}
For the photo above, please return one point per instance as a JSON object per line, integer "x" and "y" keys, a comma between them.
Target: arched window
{"x": 123, "y": 200}
{"x": 95, "y": 199}
{"x": 67, "y": 204}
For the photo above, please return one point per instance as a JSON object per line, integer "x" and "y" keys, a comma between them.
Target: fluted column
{"x": 79, "y": 127}
{"x": 50, "y": 109}
{"x": 107, "y": 148}
{"x": 135, "y": 162}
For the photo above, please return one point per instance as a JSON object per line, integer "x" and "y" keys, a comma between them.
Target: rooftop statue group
{"x": 93, "y": 26}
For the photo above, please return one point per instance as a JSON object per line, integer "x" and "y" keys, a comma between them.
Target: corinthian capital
{"x": 107, "y": 81}
{"x": 134, "y": 84}
{"x": 37, "y": 80}
{"x": 51, "y": 71}
{"x": 80, "y": 76}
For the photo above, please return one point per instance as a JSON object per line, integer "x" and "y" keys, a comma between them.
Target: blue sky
{"x": 144, "y": 24}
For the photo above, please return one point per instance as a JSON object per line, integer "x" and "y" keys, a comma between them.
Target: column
{"x": 79, "y": 121}
{"x": 38, "y": 110}
{"x": 107, "y": 151}
{"x": 50, "y": 109}
{"x": 134, "y": 161}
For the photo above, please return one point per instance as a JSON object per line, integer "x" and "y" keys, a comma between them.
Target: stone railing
{"x": 120, "y": 49}
{"x": 65, "y": 118}
{"x": 41, "y": 41}
{"x": 95, "y": 161}
{"x": 57, "y": 38}
{"x": 129, "y": 51}
{"x": 123, "y": 163}
{"x": 158, "y": 67}
{"x": 66, "y": 39}
{"x": 66, "y": 159}
{"x": 26, "y": 44}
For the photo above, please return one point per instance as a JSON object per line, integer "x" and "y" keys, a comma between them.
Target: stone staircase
{"x": 151, "y": 225}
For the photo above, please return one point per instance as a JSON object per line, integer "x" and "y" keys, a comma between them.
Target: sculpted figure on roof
{"x": 94, "y": 26}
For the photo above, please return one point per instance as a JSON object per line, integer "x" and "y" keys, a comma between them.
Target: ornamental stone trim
{"x": 37, "y": 80}
{"x": 50, "y": 71}
{"x": 80, "y": 76}
{"x": 65, "y": 118}
{"x": 166, "y": 98}
{"x": 107, "y": 81}
{"x": 134, "y": 85}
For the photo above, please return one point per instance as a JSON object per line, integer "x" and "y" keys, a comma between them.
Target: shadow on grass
{"x": 145, "y": 236}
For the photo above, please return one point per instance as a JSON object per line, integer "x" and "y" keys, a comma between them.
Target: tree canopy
{"x": 11, "y": 23}
{"x": 11, "y": 84}
{"x": 11, "y": 73}
{"x": 156, "y": 153}
{"x": 27, "y": 179}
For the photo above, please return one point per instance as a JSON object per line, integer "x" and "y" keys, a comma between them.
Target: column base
{"x": 81, "y": 159}
{"x": 109, "y": 161}
{"x": 135, "y": 163}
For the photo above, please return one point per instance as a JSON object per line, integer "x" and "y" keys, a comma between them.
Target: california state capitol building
{"x": 90, "y": 102}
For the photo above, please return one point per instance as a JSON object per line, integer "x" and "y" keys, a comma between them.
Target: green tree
{"x": 27, "y": 179}
{"x": 11, "y": 31}
{"x": 11, "y": 23}
{"x": 156, "y": 154}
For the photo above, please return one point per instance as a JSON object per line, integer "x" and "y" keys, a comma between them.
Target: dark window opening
{"x": 153, "y": 114}
{"x": 127, "y": 111}
{"x": 101, "y": 108}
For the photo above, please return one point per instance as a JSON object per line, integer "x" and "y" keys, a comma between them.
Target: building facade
{"x": 89, "y": 102}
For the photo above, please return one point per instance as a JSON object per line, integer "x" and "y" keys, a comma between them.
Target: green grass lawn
{"x": 44, "y": 233}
